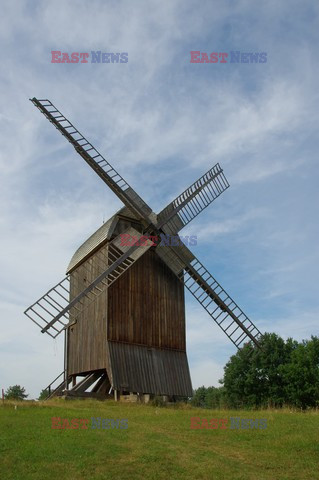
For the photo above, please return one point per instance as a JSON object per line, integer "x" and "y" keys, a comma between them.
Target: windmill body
{"x": 121, "y": 306}
{"x": 135, "y": 331}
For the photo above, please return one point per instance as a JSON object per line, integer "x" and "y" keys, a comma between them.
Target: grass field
{"x": 158, "y": 444}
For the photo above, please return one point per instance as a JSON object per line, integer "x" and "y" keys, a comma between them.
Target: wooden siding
{"x": 146, "y": 306}
{"x": 86, "y": 350}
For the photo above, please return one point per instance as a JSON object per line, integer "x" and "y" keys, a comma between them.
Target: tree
{"x": 256, "y": 377}
{"x": 280, "y": 373}
{"x": 44, "y": 394}
{"x": 215, "y": 397}
{"x": 198, "y": 399}
{"x": 210, "y": 397}
{"x": 15, "y": 393}
{"x": 302, "y": 375}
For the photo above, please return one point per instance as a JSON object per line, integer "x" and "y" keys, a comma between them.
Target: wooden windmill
{"x": 121, "y": 305}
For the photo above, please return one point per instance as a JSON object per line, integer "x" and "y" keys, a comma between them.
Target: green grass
{"x": 158, "y": 444}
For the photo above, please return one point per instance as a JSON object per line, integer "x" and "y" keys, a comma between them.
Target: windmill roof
{"x": 101, "y": 235}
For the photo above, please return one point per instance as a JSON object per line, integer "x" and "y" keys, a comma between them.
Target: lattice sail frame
{"x": 225, "y": 312}
{"x": 53, "y": 312}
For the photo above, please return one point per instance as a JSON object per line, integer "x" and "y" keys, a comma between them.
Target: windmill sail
{"x": 209, "y": 293}
{"x": 54, "y": 310}
{"x": 96, "y": 161}
{"x": 192, "y": 201}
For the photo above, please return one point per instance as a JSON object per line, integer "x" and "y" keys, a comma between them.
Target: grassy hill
{"x": 158, "y": 444}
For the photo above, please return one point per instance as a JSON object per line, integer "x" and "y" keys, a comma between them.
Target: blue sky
{"x": 162, "y": 122}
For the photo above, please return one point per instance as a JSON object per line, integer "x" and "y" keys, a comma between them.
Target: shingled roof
{"x": 101, "y": 235}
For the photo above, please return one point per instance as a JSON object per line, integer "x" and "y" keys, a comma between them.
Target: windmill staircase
{"x": 79, "y": 389}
